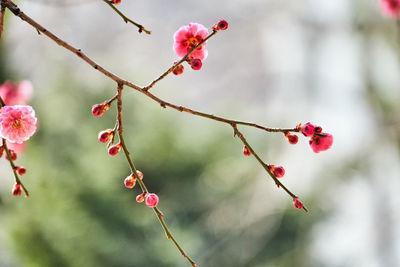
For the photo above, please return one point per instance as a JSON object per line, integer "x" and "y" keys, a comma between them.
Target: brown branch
{"x": 133, "y": 169}
{"x": 262, "y": 163}
{"x": 126, "y": 19}
{"x": 2, "y": 13}
{"x": 17, "y": 179}
{"x": 17, "y": 12}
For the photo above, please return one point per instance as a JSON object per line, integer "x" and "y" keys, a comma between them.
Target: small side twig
{"x": 262, "y": 163}
{"x": 126, "y": 19}
{"x": 133, "y": 170}
{"x": 2, "y": 13}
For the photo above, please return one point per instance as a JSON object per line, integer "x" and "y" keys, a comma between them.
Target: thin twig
{"x": 2, "y": 13}
{"x": 126, "y": 19}
{"x": 133, "y": 169}
{"x": 262, "y": 163}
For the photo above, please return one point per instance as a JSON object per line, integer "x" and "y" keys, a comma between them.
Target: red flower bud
{"x": 139, "y": 174}
{"x": 140, "y": 198}
{"x": 246, "y": 151}
{"x": 13, "y": 155}
{"x": 178, "y": 69}
{"x": 278, "y": 171}
{"x": 130, "y": 181}
{"x": 99, "y": 109}
{"x": 105, "y": 136}
{"x": 297, "y": 203}
{"x": 292, "y": 138}
{"x": 115, "y": 2}
{"x": 195, "y": 63}
{"x": 20, "y": 170}
{"x": 17, "y": 190}
{"x": 151, "y": 200}
{"x": 307, "y": 129}
{"x": 220, "y": 26}
{"x": 113, "y": 150}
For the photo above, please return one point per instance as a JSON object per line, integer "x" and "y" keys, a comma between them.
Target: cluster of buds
{"x": 319, "y": 141}
{"x": 115, "y": 2}
{"x": 150, "y": 199}
{"x": 106, "y": 136}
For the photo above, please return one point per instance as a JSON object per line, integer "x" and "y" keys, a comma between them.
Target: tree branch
{"x": 126, "y": 19}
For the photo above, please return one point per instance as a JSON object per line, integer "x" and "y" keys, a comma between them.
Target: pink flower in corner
{"x": 321, "y": 142}
{"x": 187, "y": 37}
{"x": 391, "y": 8}
{"x": 17, "y": 123}
{"x": 16, "y": 94}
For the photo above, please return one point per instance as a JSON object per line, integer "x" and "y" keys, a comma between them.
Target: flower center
{"x": 192, "y": 42}
{"x": 16, "y": 124}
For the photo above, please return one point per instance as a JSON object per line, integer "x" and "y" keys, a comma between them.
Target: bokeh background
{"x": 334, "y": 63}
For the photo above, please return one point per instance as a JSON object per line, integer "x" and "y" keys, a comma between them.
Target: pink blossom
{"x": 187, "y": 37}
{"x": 16, "y": 94}
{"x": 391, "y": 8}
{"x": 17, "y": 123}
{"x": 321, "y": 142}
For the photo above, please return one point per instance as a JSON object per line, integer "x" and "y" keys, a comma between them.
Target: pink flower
{"x": 187, "y": 37}
{"x": 16, "y": 94}
{"x": 321, "y": 142}
{"x": 151, "y": 200}
{"x": 17, "y": 123}
{"x": 391, "y": 8}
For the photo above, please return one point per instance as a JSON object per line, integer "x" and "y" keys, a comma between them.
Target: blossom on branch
{"x": 189, "y": 36}
{"x": 17, "y": 123}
